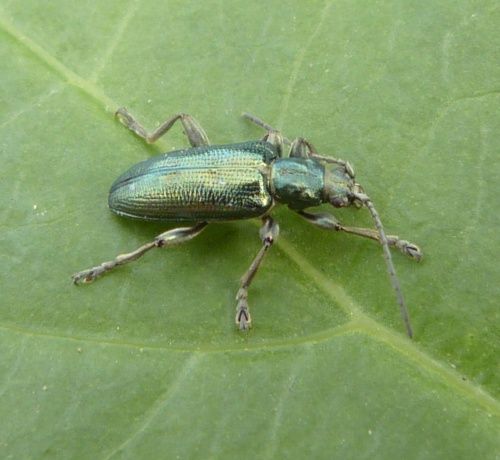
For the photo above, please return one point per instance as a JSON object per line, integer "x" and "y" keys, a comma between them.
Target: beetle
{"x": 213, "y": 183}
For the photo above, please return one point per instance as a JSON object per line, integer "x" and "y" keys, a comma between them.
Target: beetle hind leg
{"x": 169, "y": 238}
{"x": 193, "y": 130}
{"x": 269, "y": 234}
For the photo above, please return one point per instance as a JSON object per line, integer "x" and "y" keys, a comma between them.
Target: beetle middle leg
{"x": 269, "y": 234}
{"x": 193, "y": 130}
{"x": 169, "y": 238}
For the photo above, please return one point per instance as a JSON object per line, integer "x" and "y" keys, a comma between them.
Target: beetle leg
{"x": 169, "y": 238}
{"x": 269, "y": 234}
{"x": 264, "y": 125}
{"x": 328, "y": 222}
{"x": 275, "y": 138}
{"x": 301, "y": 148}
{"x": 193, "y": 130}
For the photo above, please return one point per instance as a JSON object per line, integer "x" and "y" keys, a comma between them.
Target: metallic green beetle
{"x": 238, "y": 181}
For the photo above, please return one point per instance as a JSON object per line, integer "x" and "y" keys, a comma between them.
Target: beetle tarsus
{"x": 243, "y": 318}
{"x": 86, "y": 276}
{"x": 410, "y": 249}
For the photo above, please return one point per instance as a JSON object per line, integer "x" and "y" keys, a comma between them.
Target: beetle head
{"x": 340, "y": 189}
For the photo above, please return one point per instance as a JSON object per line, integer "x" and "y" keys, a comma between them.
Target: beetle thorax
{"x": 297, "y": 182}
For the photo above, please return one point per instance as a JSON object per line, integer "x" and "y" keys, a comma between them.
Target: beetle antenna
{"x": 387, "y": 254}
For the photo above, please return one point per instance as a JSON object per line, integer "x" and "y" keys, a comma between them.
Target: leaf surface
{"x": 147, "y": 362}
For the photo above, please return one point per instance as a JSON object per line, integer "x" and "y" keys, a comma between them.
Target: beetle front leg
{"x": 328, "y": 222}
{"x": 169, "y": 238}
{"x": 193, "y": 130}
{"x": 301, "y": 148}
{"x": 269, "y": 234}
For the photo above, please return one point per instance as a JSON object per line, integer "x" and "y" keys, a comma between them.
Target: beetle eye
{"x": 338, "y": 202}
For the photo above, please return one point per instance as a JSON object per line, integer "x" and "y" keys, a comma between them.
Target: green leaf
{"x": 147, "y": 362}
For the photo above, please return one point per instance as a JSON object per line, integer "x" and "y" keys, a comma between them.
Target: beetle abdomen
{"x": 203, "y": 183}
